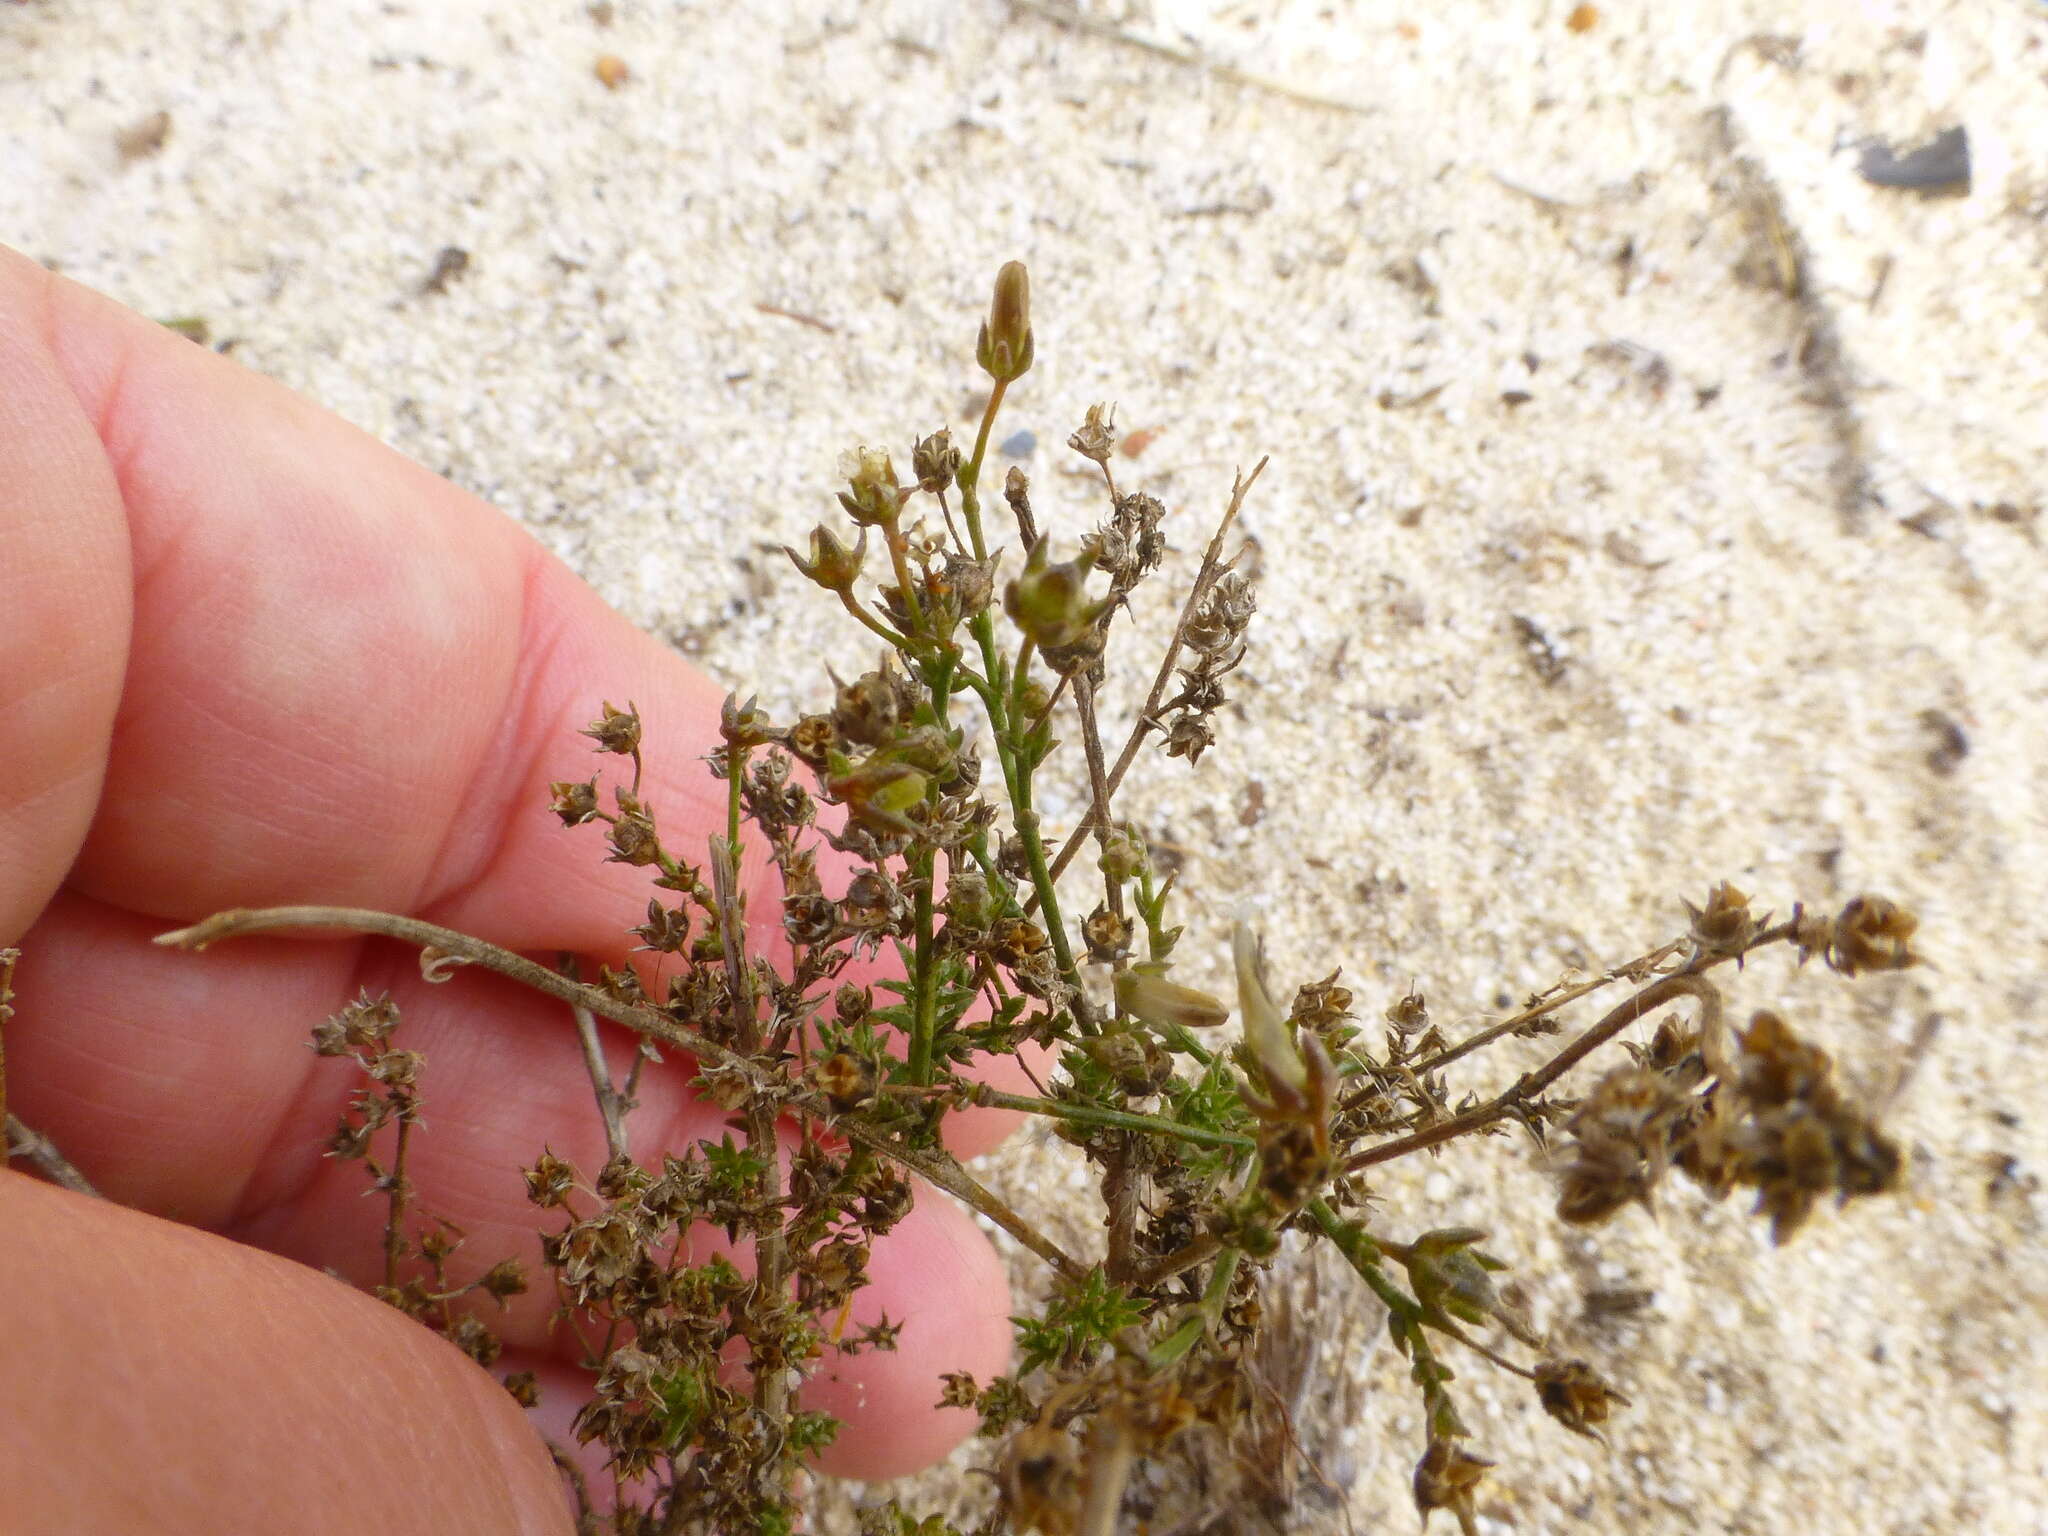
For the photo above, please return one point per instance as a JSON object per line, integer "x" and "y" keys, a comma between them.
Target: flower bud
{"x": 1050, "y": 603}
{"x": 1143, "y": 992}
{"x": 1123, "y": 855}
{"x": 832, "y": 565}
{"x": 1266, "y": 1033}
{"x": 1004, "y": 346}
{"x": 969, "y": 902}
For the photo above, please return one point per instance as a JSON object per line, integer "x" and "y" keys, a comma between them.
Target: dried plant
{"x": 1209, "y": 1148}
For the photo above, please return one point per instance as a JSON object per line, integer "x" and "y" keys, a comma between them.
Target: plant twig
{"x": 1634, "y": 969}
{"x": 1113, "y": 1119}
{"x": 1205, "y": 577}
{"x": 1525, "y": 1088}
{"x": 611, "y": 1103}
{"x": 1098, "y": 779}
{"x": 939, "y": 1169}
{"x": 41, "y": 1154}
{"x": 9, "y": 957}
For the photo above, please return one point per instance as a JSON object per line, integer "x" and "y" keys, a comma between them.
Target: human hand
{"x": 250, "y": 656}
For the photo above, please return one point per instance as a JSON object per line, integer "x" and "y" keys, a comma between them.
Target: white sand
{"x": 1764, "y": 538}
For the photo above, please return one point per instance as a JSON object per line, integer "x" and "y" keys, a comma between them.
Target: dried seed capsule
{"x": 832, "y": 565}
{"x": 616, "y": 730}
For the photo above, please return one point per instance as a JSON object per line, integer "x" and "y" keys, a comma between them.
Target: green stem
{"x": 924, "y": 1019}
{"x": 892, "y": 536}
{"x": 969, "y": 478}
{"x": 994, "y": 688}
{"x": 1113, "y": 1119}
{"x": 889, "y": 636}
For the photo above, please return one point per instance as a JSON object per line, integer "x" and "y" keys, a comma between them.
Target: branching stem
{"x": 936, "y": 1168}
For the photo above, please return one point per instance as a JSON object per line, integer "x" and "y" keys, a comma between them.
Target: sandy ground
{"x": 1653, "y": 501}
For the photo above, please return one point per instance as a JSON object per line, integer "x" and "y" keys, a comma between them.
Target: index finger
{"x": 348, "y": 681}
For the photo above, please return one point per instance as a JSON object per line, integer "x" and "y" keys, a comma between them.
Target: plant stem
{"x": 41, "y": 1153}
{"x": 9, "y": 957}
{"x": 401, "y": 1196}
{"x": 611, "y": 1104}
{"x": 924, "y": 1011}
{"x": 1485, "y": 1037}
{"x": 1113, "y": 1119}
{"x": 1108, "y": 1459}
{"x": 937, "y": 1168}
{"x": 1205, "y": 577}
{"x": 1651, "y": 998}
{"x": 970, "y": 474}
{"x": 1098, "y": 781}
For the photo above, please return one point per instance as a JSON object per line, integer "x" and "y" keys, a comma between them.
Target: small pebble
{"x": 1019, "y": 445}
{"x": 1940, "y": 165}
{"x": 611, "y": 71}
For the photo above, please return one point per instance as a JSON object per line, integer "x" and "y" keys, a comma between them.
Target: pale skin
{"x": 250, "y": 656}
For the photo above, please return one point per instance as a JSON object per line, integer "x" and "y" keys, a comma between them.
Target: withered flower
{"x": 1448, "y": 1477}
{"x": 632, "y": 834}
{"x": 1873, "y": 934}
{"x": 935, "y": 461}
{"x": 504, "y": 1279}
{"x": 575, "y": 802}
{"x": 1576, "y": 1395}
{"x": 1095, "y": 438}
{"x": 549, "y": 1181}
{"x": 1107, "y": 934}
{"x": 1725, "y": 925}
{"x": 1013, "y": 940}
{"x": 813, "y": 738}
{"x": 1040, "y": 1480}
{"x": 524, "y": 1387}
{"x": 616, "y": 730}
{"x": 844, "y": 1079}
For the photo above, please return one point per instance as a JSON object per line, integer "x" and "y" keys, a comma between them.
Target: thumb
{"x": 153, "y": 1377}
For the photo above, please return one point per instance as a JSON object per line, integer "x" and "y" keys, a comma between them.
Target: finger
{"x": 240, "y": 1392}
{"x": 350, "y": 681}
{"x": 64, "y": 589}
